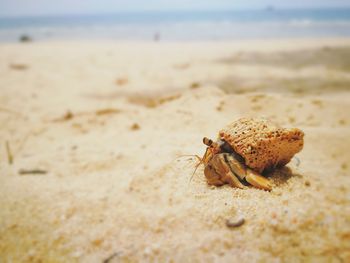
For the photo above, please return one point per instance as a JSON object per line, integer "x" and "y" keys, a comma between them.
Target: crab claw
{"x": 257, "y": 180}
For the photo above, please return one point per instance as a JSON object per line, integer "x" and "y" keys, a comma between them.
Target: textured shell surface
{"x": 264, "y": 145}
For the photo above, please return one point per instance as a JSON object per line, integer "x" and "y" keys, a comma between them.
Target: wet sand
{"x": 108, "y": 125}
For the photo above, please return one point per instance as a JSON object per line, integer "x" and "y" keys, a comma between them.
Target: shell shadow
{"x": 282, "y": 175}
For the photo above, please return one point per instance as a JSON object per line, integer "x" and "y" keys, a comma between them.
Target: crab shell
{"x": 263, "y": 144}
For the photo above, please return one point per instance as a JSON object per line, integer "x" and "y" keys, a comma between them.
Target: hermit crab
{"x": 247, "y": 148}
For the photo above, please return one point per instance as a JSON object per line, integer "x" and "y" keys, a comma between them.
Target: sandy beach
{"x": 109, "y": 129}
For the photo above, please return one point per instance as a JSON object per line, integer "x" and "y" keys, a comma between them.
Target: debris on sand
{"x": 9, "y": 153}
{"x": 135, "y": 127}
{"x": 111, "y": 257}
{"x": 69, "y": 115}
{"x": 121, "y": 81}
{"x": 195, "y": 85}
{"x": 32, "y": 171}
{"x": 307, "y": 183}
{"x": 18, "y": 66}
{"x": 107, "y": 111}
{"x": 66, "y": 117}
{"x": 155, "y": 99}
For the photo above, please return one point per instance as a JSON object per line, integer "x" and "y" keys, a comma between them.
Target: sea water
{"x": 182, "y": 26}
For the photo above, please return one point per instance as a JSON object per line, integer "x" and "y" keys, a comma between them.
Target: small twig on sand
{"x": 66, "y": 117}
{"x": 9, "y": 154}
{"x": 107, "y": 111}
{"x": 33, "y": 171}
{"x": 107, "y": 260}
{"x": 18, "y": 66}
{"x": 232, "y": 224}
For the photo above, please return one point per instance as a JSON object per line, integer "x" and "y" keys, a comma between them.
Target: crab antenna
{"x": 200, "y": 161}
{"x": 207, "y": 141}
{"x": 195, "y": 169}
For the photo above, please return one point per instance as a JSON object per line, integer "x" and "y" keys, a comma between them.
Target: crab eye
{"x": 207, "y": 141}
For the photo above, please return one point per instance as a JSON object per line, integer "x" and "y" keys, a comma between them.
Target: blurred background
{"x": 103, "y": 107}
{"x": 173, "y": 20}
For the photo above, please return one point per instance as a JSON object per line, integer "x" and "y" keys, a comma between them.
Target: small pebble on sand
{"x": 235, "y": 223}
{"x": 135, "y": 127}
{"x": 121, "y": 81}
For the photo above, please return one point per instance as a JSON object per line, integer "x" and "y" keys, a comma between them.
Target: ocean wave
{"x": 309, "y": 22}
{"x": 184, "y": 30}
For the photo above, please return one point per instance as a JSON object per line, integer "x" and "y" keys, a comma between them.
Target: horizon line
{"x": 267, "y": 9}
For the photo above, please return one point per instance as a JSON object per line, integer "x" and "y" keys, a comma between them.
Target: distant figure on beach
{"x": 156, "y": 37}
{"x": 25, "y": 38}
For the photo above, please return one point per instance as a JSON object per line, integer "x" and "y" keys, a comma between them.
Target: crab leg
{"x": 236, "y": 166}
{"x": 218, "y": 172}
{"x": 224, "y": 168}
{"x": 249, "y": 175}
{"x": 257, "y": 180}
